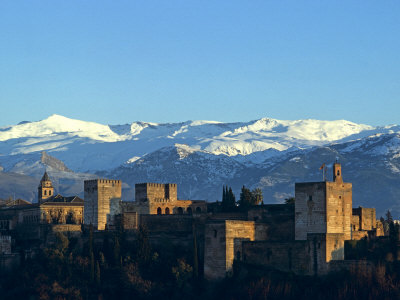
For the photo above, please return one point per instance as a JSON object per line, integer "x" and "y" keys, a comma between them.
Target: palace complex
{"x": 304, "y": 237}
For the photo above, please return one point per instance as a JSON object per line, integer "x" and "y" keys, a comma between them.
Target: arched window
{"x": 159, "y": 211}
{"x": 167, "y": 211}
{"x": 50, "y": 193}
{"x": 180, "y": 211}
{"x": 338, "y": 173}
{"x": 198, "y": 210}
{"x": 189, "y": 210}
{"x": 45, "y": 192}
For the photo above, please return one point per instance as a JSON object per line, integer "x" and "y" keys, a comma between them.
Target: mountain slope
{"x": 87, "y": 146}
{"x": 373, "y": 166}
{"x": 201, "y": 156}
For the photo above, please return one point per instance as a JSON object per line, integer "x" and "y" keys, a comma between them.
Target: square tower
{"x": 156, "y": 198}
{"x": 323, "y": 207}
{"x": 99, "y": 196}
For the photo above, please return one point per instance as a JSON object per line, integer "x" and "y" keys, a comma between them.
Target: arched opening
{"x": 45, "y": 192}
{"x": 189, "y": 210}
{"x": 338, "y": 173}
{"x": 198, "y": 210}
{"x": 50, "y": 193}
{"x": 159, "y": 211}
{"x": 180, "y": 211}
{"x": 167, "y": 211}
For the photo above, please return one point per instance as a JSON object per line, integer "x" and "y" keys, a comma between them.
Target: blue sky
{"x": 166, "y": 61}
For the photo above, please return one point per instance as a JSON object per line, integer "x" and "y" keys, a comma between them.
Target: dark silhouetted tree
{"x": 290, "y": 200}
{"x": 228, "y": 199}
{"x": 256, "y": 196}
{"x": 389, "y": 217}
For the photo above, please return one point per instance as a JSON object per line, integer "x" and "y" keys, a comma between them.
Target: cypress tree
{"x": 91, "y": 266}
{"x": 117, "y": 251}
{"x": 231, "y": 198}
{"x": 97, "y": 274}
{"x": 195, "y": 253}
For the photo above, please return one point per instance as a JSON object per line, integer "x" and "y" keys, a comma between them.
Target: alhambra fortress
{"x": 305, "y": 237}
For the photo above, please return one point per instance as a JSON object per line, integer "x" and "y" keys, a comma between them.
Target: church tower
{"x": 45, "y": 189}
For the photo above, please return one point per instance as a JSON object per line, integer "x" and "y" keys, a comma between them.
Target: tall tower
{"x": 102, "y": 197}
{"x": 45, "y": 189}
{"x": 324, "y": 207}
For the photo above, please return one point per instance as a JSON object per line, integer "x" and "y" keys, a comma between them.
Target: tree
{"x": 228, "y": 199}
{"x": 62, "y": 242}
{"x": 143, "y": 245}
{"x": 389, "y": 217}
{"x": 257, "y": 196}
{"x": 92, "y": 266}
{"x": 231, "y": 198}
{"x": 245, "y": 198}
{"x": 97, "y": 273}
{"x": 250, "y": 198}
{"x": 290, "y": 200}
{"x": 117, "y": 252}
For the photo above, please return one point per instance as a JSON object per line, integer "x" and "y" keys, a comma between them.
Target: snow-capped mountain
{"x": 88, "y": 146}
{"x": 201, "y": 156}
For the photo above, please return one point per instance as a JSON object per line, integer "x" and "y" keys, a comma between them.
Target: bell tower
{"x": 45, "y": 189}
{"x": 337, "y": 173}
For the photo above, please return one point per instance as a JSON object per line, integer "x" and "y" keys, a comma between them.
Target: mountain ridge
{"x": 201, "y": 156}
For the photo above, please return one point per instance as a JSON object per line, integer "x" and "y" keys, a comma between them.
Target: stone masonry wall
{"x": 223, "y": 243}
{"x": 278, "y": 220}
{"x": 310, "y": 209}
{"x": 98, "y": 194}
{"x": 339, "y": 208}
{"x": 367, "y": 217}
{"x": 289, "y": 256}
{"x": 156, "y": 191}
{"x": 335, "y": 246}
{"x": 214, "y": 250}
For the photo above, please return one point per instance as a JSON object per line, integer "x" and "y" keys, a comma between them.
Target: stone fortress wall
{"x": 100, "y": 194}
{"x": 304, "y": 237}
{"x": 323, "y": 221}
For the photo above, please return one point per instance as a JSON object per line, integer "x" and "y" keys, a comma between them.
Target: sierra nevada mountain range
{"x": 201, "y": 156}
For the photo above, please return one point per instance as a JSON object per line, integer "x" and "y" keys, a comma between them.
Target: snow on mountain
{"x": 201, "y": 174}
{"x": 201, "y": 156}
{"x": 57, "y": 124}
{"x": 88, "y": 146}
